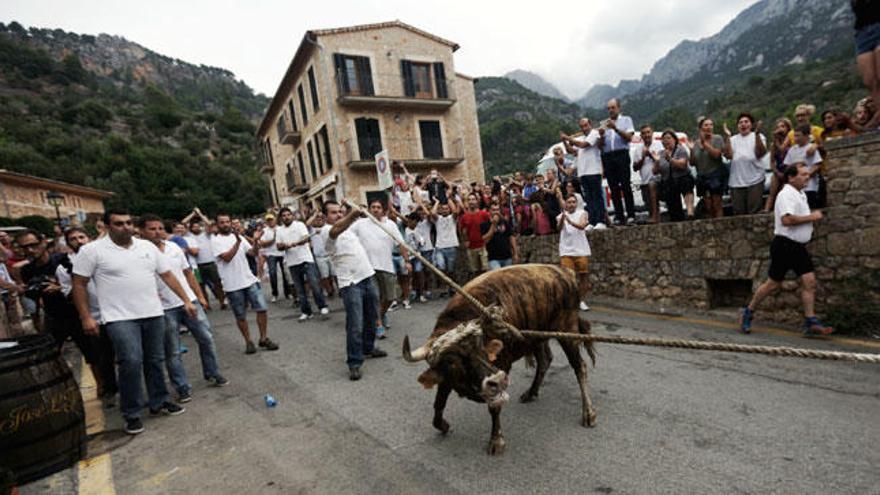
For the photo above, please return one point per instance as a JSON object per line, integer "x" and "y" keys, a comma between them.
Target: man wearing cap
{"x": 274, "y": 257}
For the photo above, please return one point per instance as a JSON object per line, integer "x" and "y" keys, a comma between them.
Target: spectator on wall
{"x": 778, "y": 150}
{"x": 711, "y": 172}
{"x": 648, "y": 169}
{"x": 677, "y": 180}
{"x": 746, "y": 151}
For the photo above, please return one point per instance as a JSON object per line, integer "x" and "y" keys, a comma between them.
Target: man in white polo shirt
{"x": 589, "y": 170}
{"x": 152, "y": 229}
{"x": 124, "y": 270}
{"x": 239, "y": 283}
{"x": 360, "y": 296}
{"x": 293, "y": 240}
{"x": 792, "y": 230}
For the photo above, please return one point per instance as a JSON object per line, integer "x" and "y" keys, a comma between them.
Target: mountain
{"x": 598, "y": 95}
{"x": 536, "y": 83}
{"x": 102, "y": 111}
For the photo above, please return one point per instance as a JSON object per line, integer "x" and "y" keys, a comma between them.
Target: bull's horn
{"x": 413, "y": 357}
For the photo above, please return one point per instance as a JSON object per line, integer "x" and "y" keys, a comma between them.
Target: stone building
{"x": 354, "y": 91}
{"x": 23, "y": 195}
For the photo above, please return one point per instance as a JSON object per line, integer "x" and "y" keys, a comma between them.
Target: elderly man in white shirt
{"x": 615, "y": 134}
{"x": 793, "y": 228}
{"x": 359, "y": 293}
{"x": 588, "y": 164}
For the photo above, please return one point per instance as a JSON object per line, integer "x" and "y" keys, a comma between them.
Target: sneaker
{"x": 218, "y": 381}
{"x": 630, "y": 221}
{"x": 590, "y": 228}
{"x": 168, "y": 409}
{"x": 600, "y": 226}
{"x": 250, "y": 348}
{"x": 380, "y": 332}
{"x": 745, "y": 320}
{"x": 393, "y": 306}
{"x": 584, "y": 306}
{"x": 304, "y": 317}
{"x": 377, "y": 353}
{"x": 423, "y": 299}
{"x": 133, "y": 426}
{"x": 354, "y": 373}
{"x": 183, "y": 330}
{"x": 325, "y": 311}
{"x": 183, "y": 398}
{"x": 268, "y": 345}
{"x": 406, "y": 304}
{"x": 814, "y": 328}
{"x": 274, "y": 299}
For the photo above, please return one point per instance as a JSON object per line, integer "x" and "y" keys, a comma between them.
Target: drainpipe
{"x": 331, "y": 112}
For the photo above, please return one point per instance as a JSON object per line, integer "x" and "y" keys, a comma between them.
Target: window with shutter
{"x": 408, "y": 84}
{"x": 302, "y": 167}
{"x": 432, "y": 140}
{"x": 328, "y": 155}
{"x": 368, "y": 137}
{"x": 440, "y": 80}
{"x": 313, "y": 89}
{"x": 290, "y": 108}
{"x": 302, "y": 104}
{"x": 312, "y": 161}
{"x": 353, "y": 75}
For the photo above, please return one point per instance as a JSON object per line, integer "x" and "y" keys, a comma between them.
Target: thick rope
{"x": 494, "y": 314}
{"x": 711, "y": 346}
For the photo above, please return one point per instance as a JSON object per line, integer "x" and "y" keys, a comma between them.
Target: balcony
{"x": 266, "y": 168}
{"x": 418, "y": 155}
{"x": 292, "y": 186}
{"x": 293, "y": 138}
{"x": 360, "y": 95}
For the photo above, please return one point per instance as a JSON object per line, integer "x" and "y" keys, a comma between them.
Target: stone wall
{"x": 716, "y": 263}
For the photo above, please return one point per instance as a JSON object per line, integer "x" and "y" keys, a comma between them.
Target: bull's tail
{"x": 584, "y": 329}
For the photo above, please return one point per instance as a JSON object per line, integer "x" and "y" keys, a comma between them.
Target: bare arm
{"x": 81, "y": 301}
{"x": 194, "y": 285}
{"x": 344, "y": 223}
{"x": 228, "y": 255}
{"x": 174, "y": 284}
{"x": 792, "y": 220}
{"x": 760, "y": 147}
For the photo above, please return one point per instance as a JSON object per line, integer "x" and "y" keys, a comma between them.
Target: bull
{"x": 470, "y": 354}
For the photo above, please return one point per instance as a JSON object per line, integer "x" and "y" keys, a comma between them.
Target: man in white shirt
{"x": 153, "y": 230}
{"x": 317, "y": 227}
{"x": 445, "y": 217}
{"x": 293, "y": 240}
{"x": 803, "y": 152}
{"x": 199, "y": 241}
{"x": 615, "y": 134}
{"x": 274, "y": 257}
{"x": 588, "y": 164}
{"x": 239, "y": 283}
{"x": 792, "y": 230}
{"x": 648, "y": 169}
{"x": 356, "y": 287}
{"x": 574, "y": 248}
{"x": 124, "y": 270}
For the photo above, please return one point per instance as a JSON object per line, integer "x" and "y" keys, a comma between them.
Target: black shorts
{"x": 713, "y": 183}
{"x": 785, "y": 255}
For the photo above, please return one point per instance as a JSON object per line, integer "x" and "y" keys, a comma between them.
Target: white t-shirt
{"x": 447, "y": 236}
{"x": 798, "y": 154}
{"x": 573, "y": 241}
{"x": 405, "y": 202}
{"x": 124, "y": 277}
{"x": 646, "y": 173}
{"x": 414, "y": 239}
{"x": 589, "y": 160}
{"x": 295, "y": 232}
{"x": 66, "y": 283}
{"x": 745, "y": 169}
{"x": 350, "y": 261}
{"x": 235, "y": 274}
{"x": 177, "y": 262}
{"x": 269, "y": 234}
{"x": 319, "y": 248}
{"x": 790, "y": 201}
{"x": 203, "y": 242}
{"x": 424, "y": 229}
{"x": 376, "y": 242}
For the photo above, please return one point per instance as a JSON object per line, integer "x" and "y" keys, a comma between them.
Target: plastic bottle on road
{"x": 270, "y": 400}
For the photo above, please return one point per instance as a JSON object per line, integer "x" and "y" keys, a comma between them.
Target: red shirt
{"x": 470, "y": 222}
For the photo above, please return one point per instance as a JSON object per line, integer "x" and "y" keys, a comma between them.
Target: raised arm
{"x": 228, "y": 255}
{"x": 344, "y": 223}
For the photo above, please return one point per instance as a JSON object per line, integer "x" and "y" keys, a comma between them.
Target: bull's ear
{"x": 493, "y": 348}
{"x": 430, "y": 378}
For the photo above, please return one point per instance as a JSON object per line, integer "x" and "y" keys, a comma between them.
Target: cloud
{"x": 572, "y": 44}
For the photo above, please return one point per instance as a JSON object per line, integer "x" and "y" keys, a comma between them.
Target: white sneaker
{"x": 590, "y": 228}
{"x": 393, "y": 305}
{"x": 630, "y": 221}
{"x": 406, "y": 304}
{"x": 325, "y": 311}
{"x": 584, "y": 306}
{"x": 423, "y": 299}
{"x": 304, "y": 317}
{"x": 600, "y": 226}
{"x": 274, "y": 299}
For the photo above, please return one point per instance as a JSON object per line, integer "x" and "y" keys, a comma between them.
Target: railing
{"x": 389, "y": 85}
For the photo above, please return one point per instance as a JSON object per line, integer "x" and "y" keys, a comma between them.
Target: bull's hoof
{"x": 528, "y": 396}
{"x": 442, "y": 426}
{"x": 589, "y": 419}
{"x": 496, "y": 446}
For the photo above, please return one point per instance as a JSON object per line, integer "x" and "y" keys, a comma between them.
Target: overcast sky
{"x": 572, "y": 44}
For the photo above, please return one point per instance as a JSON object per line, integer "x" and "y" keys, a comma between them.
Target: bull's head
{"x": 463, "y": 359}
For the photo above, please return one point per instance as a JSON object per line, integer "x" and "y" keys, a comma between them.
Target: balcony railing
{"x": 291, "y": 137}
{"x": 408, "y": 150}
{"x": 388, "y": 92}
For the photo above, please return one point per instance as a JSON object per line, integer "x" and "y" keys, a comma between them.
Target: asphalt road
{"x": 670, "y": 421}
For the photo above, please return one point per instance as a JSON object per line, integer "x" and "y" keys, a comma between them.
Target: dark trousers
{"x": 617, "y": 172}
{"x": 307, "y": 273}
{"x": 594, "y": 197}
{"x": 273, "y": 262}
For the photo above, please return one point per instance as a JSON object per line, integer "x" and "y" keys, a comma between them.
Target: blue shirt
{"x": 528, "y": 190}
{"x": 613, "y": 141}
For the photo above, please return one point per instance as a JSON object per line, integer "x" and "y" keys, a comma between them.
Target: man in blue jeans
{"x": 588, "y": 163}
{"x": 124, "y": 270}
{"x": 292, "y": 239}
{"x": 360, "y": 295}
{"x": 152, "y": 229}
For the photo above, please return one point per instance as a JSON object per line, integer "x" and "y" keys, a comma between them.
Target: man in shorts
{"x": 788, "y": 252}
{"x": 574, "y": 248}
{"x": 318, "y": 228}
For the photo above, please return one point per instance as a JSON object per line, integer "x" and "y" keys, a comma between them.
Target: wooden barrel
{"x": 42, "y": 422}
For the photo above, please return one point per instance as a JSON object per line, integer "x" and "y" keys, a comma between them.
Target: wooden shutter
{"x": 409, "y": 88}
{"x": 365, "y": 76}
{"x": 341, "y": 76}
{"x": 440, "y": 80}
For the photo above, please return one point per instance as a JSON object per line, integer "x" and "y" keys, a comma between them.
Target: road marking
{"x": 95, "y": 474}
{"x": 733, "y": 326}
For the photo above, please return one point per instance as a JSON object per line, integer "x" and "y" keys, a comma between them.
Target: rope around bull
{"x": 613, "y": 339}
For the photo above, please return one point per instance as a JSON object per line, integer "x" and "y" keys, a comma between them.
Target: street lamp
{"x": 55, "y": 199}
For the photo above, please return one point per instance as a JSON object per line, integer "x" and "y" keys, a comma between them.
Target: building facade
{"x": 352, "y": 92}
{"x": 24, "y": 195}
